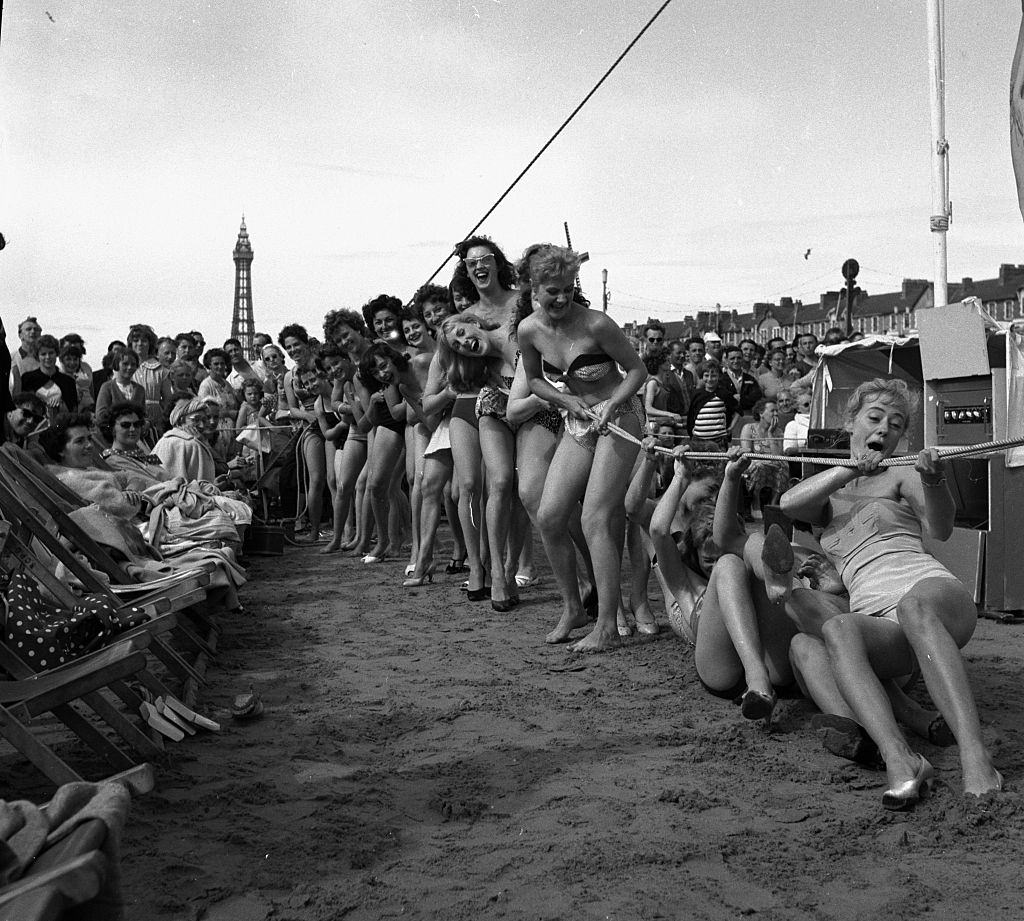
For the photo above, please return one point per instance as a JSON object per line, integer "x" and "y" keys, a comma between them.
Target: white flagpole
{"x": 940, "y": 163}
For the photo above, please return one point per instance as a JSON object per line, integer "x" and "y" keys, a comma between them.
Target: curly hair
{"x": 55, "y": 439}
{"x": 115, "y": 412}
{"x": 342, "y": 317}
{"x": 142, "y": 331}
{"x": 294, "y": 331}
{"x": 215, "y": 353}
{"x": 461, "y": 285}
{"x": 888, "y": 390}
{"x": 384, "y": 303}
{"x": 427, "y": 293}
{"x": 368, "y": 362}
{"x": 541, "y": 261}
{"x": 466, "y": 373}
{"x": 506, "y": 271}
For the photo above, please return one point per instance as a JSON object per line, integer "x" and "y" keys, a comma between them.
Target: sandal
{"x": 247, "y": 706}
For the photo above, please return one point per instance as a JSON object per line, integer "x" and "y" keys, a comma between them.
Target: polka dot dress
{"x": 45, "y": 636}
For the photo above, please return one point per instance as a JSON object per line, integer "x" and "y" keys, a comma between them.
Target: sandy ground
{"x": 422, "y": 756}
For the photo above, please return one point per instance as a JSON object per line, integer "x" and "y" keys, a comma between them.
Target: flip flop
{"x": 161, "y": 725}
{"x": 173, "y": 717}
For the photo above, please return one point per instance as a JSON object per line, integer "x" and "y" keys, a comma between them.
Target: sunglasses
{"x": 479, "y": 261}
{"x": 129, "y": 425}
{"x": 31, "y": 414}
{"x": 655, "y": 338}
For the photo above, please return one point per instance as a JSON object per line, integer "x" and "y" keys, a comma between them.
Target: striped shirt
{"x": 710, "y": 422}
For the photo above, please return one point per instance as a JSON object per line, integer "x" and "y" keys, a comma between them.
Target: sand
{"x": 422, "y": 756}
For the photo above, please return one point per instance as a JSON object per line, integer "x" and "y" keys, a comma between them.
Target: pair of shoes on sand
{"x": 171, "y": 718}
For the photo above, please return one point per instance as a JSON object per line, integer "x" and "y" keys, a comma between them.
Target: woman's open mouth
{"x": 875, "y": 444}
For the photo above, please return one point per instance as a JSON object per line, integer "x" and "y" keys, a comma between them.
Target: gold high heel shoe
{"x": 910, "y": 792}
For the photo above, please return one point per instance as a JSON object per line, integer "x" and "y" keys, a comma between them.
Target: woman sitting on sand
{"x": 905, "y": 607}
{"x": 478, "y": 356}
{"x": 584, "y": 349}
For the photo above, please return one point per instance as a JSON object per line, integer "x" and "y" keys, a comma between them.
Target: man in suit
{"x": 744, "y": 385}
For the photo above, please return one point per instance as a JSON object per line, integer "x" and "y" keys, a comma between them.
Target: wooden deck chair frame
{"x": 25, "y": 521}
{"x": 49, "y": 491}
{"x": 24, "y": 699}
{"x": 13, "y": 555}
{"x": 22, "y": 516}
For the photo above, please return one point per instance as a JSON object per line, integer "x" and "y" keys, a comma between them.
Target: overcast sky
{"x": 363, "y": 138}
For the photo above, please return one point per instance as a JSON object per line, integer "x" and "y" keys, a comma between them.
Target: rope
{"x": 902, "y": 460}
{"x": 551, "y": 139}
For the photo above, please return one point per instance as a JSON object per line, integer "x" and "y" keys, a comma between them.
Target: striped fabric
{"x": 710, "y": 421}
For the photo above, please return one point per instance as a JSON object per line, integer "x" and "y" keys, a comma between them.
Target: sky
{"x": 362, "y": 139}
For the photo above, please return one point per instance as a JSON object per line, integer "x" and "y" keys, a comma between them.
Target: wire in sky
{"x": 551, "y": 139}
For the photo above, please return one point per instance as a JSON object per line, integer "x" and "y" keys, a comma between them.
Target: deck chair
{"x": 13, "y": 554}
{"x": 25, "y": 699}
{"x": 179, "y": 592}
{"x": 74, "y": 876}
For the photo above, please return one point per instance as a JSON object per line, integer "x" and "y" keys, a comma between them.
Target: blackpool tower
{"x": 242, "y": 324}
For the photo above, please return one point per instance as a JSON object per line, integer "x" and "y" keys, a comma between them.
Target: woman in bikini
{"x": 582, "y": 348}
{"x": 477, "y": 356}
{"x": 438, "y": 482}
{"x": 905, "y": 608}
{"x": 347, "y": 330}
{"x": 493, "y": 280}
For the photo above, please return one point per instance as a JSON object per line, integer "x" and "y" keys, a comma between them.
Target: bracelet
{"x": 932, "y": 484}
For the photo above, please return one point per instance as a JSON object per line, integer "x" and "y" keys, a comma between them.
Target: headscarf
{"x": 184, "y": 408}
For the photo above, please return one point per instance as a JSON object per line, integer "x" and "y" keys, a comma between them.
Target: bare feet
{"x": 333, "y": 547}
{"x": 598, "y": 640}
{"x": 566, "y": 625}
{"x": 625, "y": 622}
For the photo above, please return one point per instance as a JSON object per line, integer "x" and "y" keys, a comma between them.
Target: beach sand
{"x": 422, "y": 756}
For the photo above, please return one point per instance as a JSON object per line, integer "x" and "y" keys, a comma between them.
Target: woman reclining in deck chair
{"x": 211, "y": 535}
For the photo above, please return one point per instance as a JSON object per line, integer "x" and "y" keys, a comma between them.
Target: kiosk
{"x": 957, "y": 364}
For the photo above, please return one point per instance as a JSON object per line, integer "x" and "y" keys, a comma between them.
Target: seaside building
{"x": 889, "y": 312}
{"x": 242, "y": 323}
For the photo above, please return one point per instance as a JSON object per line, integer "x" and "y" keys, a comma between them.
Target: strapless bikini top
{"x": 584, "y": 367}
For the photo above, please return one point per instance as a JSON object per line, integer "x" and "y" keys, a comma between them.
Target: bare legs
{"x": 384, "y": 456}
{"x": 316, "y": 479}
{"x": 497, "y": 445}
{"x": 436, "y": 472}
{"x": 349, "y": 463}
{"x": 602, "y": 478}
{"x": 936, "y": 617}
{"x": 466, "y": 452}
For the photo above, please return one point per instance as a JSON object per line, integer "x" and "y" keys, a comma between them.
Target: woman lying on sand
{"x": 905, "y": 608}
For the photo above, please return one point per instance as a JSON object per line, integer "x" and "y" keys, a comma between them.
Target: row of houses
{"x": 893, "y": 312}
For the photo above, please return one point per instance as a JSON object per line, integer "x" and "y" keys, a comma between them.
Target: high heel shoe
{"x": 910, "y": 792}
{"x": 410, "y": 569}
{"x": 505, "y": 605}
{"x": 370, "y": 558}
{"x": 417, "y": 581}
{"x": 455, "y": 566}
{"x": 755, "y": 705}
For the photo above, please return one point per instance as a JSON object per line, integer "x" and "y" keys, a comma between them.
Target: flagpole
{"x": 940, "y": 164}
